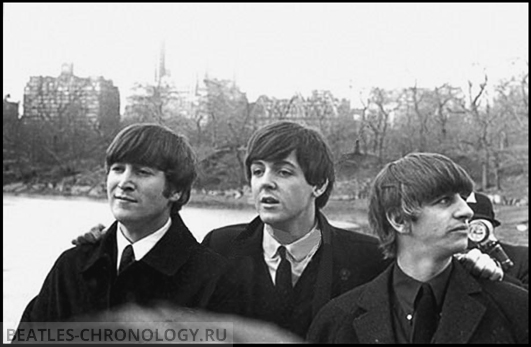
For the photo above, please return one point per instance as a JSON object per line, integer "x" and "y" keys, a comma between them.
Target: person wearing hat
{"x": 513, "y": 258}
{"x": 418, "y": 209}
{"x": 290, "y": 259}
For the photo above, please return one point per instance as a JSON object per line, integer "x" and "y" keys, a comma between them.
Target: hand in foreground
{"x": 92, "y": 236}
{"x": 481, "y": 265}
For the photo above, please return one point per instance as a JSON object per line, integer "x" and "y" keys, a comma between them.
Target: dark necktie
{"x": 128, "y": 257}
{"x": 425, "y": 321}
{"x": 283, "y": 275}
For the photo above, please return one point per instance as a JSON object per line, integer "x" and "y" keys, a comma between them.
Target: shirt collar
{"x": 406, "y": 288}
{"x": 304, "y": 247}
{"x": 142, "y": 246}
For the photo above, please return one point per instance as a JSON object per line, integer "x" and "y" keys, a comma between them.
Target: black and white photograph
{"x": 265, "y": 172}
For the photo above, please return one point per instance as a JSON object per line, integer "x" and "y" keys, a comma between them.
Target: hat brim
{"x": 493, "y": 221}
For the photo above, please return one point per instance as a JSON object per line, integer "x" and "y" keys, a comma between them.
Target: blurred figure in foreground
{"x": 224, "y": 328}
{"x": 289, "y": 258}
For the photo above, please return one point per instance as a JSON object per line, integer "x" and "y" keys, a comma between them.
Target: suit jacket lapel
{"x": 173, "y": 250}
{"x": 105, "y": 252}
{"x": 461, "y": 313}
{"x": 167, "y": 256}
{"x": 373, "y": 321}
{"x": 323, "y": 284}
{"x": 249, "y": 242}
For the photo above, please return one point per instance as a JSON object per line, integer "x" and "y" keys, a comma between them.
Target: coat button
{"x": 344, "y": 274}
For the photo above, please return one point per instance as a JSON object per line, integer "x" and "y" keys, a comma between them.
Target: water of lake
{"x": 37, "y": 230}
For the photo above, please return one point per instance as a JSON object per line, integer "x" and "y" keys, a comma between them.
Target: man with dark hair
{"x": 417, "y": 207}
{"x": 291, "y": 172}
{"x": 150, "y": 171}
{"x": 513, "y": 258}
{"x": 290, "y": 260}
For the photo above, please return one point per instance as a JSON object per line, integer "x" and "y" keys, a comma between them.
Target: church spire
{"x": 160, "y": 71}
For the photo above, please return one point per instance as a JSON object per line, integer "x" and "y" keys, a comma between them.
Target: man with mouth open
{"x": 418, "y": 208}
{"x": 291, "y": 173}
{"x": 150, "y": 171}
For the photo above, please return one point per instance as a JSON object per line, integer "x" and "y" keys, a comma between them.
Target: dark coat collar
{"x": 461, "y": 312}
{"x": 249, "y": 244}
{"x": 167, "y": 256}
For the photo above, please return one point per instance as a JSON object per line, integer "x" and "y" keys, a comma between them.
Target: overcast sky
{"x": 276, "y": 49}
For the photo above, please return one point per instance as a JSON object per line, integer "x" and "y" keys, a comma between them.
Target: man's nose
{"x": 268, "y": 180}
{"x": 126, "y": 180}
{"x": 464, "y": 211}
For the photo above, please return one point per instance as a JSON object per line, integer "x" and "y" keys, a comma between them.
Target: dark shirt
{"x": 405, "y": 290}
{"x": 475, "y": 311}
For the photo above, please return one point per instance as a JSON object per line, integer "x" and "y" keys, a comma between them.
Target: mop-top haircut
{"x": 159, "y": 147}
{"x": 403, "y": 186}
{"x": 276, "y": 141}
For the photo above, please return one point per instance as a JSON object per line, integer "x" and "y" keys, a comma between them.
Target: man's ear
{"x": 397, "y": 221}
{"x": 319, "y": 190}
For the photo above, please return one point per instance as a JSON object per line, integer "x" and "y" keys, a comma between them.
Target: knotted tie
{"x": 283, "y": 275}
{"x": 425, "y": 315}
{"x": 128, "y": 257}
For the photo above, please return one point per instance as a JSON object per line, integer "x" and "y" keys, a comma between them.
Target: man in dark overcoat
{"x": 418, "y": 208}
{"x": 290, "y": 260}
{"x": 148, "y": 256}
{"x": 291, "y": 173}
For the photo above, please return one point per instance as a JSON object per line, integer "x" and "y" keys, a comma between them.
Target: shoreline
{"x": 349, "y": 214}
{"x": 214, "y": 199}
{"x": 196, "y": 200}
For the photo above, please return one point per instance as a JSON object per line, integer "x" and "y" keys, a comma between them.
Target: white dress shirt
{"x": 142, "y": 246}
{"x": 298, "y": 253}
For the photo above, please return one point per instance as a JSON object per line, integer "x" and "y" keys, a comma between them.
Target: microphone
{"x": 481, "y": 234}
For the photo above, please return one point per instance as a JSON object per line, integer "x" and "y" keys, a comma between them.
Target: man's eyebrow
{"x": 275, "y": 163}
{"x": 284, "y": 162}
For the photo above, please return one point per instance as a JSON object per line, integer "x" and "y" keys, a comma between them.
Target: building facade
{"x": 72, "y": 99}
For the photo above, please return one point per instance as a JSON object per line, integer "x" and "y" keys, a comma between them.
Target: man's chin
{"x": 461, "y": 246}
{"x": 270, "y": 218}
{"x": 125, "y": 218}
